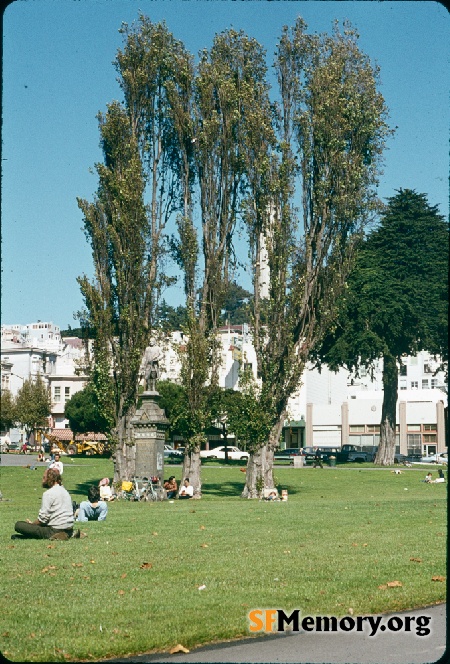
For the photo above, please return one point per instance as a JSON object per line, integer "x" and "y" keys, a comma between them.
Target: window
{"x": 356, "y": 428}
{"x": 429, "y": 438}
{"x": 5, "y": 381}
{"x": 425, "y": 384}
{"x": 414, "y": 384}
{"x": 430, "y": 427}
{"x": 403, "y": 370}
{"x": 427, "y": 368}
{"x": 413, "y": 427}
{"x": 373, "y": 428}
{"x": 434, "y": 383}
{"x": 403, "y": 386}
{"x": 66, "y": 393}
{"x": 414, "y": 361}
{"x": 57, "y": 394}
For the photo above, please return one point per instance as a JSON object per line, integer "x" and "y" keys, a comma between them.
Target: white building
{"x": 37, "y": 348}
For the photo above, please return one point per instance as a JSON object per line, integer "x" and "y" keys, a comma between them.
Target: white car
{"x": 442, "y": 457}
{"x": 219, "y": 453}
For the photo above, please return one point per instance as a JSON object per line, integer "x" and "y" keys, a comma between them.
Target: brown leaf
{"x": 146, "y": 566}
{"x": 202, "y": 528}
{"x": 77, "y": 564}
{"x": 123, "y": 575}
{"x": 203, "y": 546}
{"x": 438, "y": 578}
{"x": 155, "y": 534}
{"x": 416, "y": 560}
{"x": 178, "y": 648}
{"x": 383, "y": 587}
{"x": 121, "y": 592}
{"x": 394, "y": 584}
{"x": 92, "y": 561}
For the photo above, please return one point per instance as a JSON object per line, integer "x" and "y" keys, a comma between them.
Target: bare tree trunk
{"x": 124, "y": 455}
{"x": 191, "y": 470}
{"x": 259, "y": 474}
{"x": 386, "y": 448}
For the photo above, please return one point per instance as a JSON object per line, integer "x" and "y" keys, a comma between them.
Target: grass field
{"x": 133, "y": 584}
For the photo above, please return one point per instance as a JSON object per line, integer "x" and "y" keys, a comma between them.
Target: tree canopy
{"x": 396, "y": 302}
{"x": 32, "y": 404}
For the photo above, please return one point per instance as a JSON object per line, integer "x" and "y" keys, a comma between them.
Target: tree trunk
{"x": 259, "y": 474}
{"x": 124, "y": 455}
{"x": 386, "y": 448}
{"x": 191, "y": 470}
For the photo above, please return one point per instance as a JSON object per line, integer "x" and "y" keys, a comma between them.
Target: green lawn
{"x": 133, "y": 584}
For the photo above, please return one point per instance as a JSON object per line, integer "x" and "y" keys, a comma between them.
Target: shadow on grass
{"x": 232, "y": 489}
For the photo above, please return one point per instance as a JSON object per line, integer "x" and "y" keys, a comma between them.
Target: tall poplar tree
{"x": 145, "y": 142}
{"x": 396, "y": 303}
{"x": 331, "y": 133}
{"x": 231, "y": 98}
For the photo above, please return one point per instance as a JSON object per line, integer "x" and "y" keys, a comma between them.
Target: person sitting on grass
{"x": 171, "y": 487}
{"x": 428, "y": 478}
{"x": 55, "y": 519}
{"x": 105, "y": 490}
{"x": 441, "y": 477}
{"x": 186, "y": 491}
{"x": 93, "y": 509}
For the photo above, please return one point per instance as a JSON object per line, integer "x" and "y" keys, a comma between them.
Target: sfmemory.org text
{"x": 277, "y": 620}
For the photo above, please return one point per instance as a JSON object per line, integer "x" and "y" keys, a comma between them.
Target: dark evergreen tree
{"x": 396, "y": 303}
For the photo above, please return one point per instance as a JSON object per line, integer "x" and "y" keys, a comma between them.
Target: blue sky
{"x": 58, "y": 73}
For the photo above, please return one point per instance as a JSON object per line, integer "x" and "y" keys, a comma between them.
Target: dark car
{"x": 288, "y": 454}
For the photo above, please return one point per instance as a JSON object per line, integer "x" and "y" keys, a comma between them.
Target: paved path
{"x": 320, "y": 648}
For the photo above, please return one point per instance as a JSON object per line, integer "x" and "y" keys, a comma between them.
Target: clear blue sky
{"x": 58, "y": 73}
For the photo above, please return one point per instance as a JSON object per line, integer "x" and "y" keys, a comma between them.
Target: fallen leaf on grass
{"x": 123, "y": 575}
{"x": 354, "y": 543}
{"x": 92, "y": 561}
{"x": 394, "y": 584}
{"x": 350, "y": 611}
{"x": 155, "y": 534}
{"x": 32, "y": 635}
{"x": 77, "y": 564}
{"x": 178, "y": 648}
{"x": 121, "y": 592}
{"x": 416, "y": 560}
{"x": 202, "y": 528}
{"x": 203, "y": 546}
{"x": 438, "y": 578}
{"x": 146, "y": 566}
{"x": 50, "y": 546}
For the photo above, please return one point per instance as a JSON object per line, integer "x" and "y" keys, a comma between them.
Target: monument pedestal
{"x": 149, "y": 427}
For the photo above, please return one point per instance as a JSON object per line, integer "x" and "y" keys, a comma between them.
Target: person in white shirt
{"x": 57, "y": 464}
{"x": 186, "y": 491}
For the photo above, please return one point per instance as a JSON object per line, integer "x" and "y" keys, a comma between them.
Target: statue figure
{"x": 150, "y": 366}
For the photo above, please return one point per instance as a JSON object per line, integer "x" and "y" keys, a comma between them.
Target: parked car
{"x": 219, "y": 453}
{"x": 288, "y": 454}
{"x": 441, "y": 457}
{"x": 173, "y": 453}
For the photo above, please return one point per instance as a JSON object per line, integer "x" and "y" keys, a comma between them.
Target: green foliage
{"x": 397, "y": 296}
{"x": 84, "y": 414}
{"x": 170, "y": 318}
{"x": 331, "y": 131}
{"x": 32, "y": 404}
{"x": 144, "y": 142}
{"x": 7, "y": 410}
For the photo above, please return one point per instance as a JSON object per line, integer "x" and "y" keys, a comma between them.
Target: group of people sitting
{"x": 171, "y": 487}
{"x": 440, "y": 478}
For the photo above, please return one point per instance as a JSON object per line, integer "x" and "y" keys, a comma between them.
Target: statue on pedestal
{"x": 150, "y": 366}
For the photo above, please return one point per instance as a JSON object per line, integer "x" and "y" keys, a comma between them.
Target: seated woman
{"x": 171, "y": 487}
{"x": 105, "y": 490}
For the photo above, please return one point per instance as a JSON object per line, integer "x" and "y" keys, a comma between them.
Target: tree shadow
{"x": 230, "y": 489}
